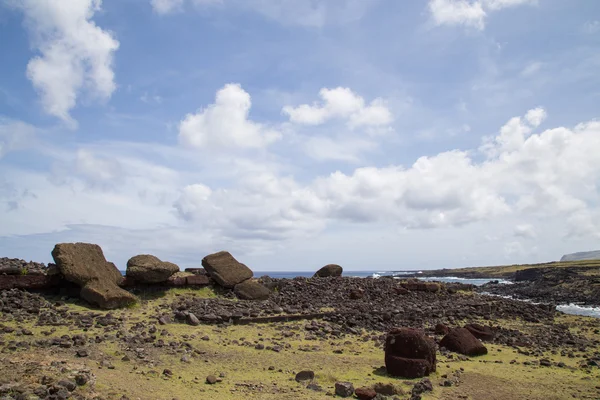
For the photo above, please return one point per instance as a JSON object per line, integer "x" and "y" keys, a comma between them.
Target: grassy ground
{"x": 265, "y": 374}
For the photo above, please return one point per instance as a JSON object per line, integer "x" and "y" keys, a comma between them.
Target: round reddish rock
{"x": 480, "y": 331}
{"x": 462, "y": 341}
{"x": 365, "y": 393}
{"x": 409, "y": 353}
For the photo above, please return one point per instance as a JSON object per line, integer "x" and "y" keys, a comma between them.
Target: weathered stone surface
{"x": 365, "y": 393}
{"x": 344, "y": 389}
{"x": 251, "y": 290}
{"x": 146, "y": 268}
{"x": 82, "y": 262}
{"x": 196, "y": 271}
{"x": 305, "y": 375}
{"x": 409, "y": 353}
{"x": 462, "y": 341}
{"x": 30, "y": 282}
{"x": 107, "y": 295}
{"x": 480, "y": 331}
{"x": 329, "y": 270}
{"x": 197, "y": 280}
{"x": 225, "y": 269}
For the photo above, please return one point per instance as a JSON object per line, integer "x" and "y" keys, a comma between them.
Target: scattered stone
{"x": 344, "y": 389}
{"x": 387, "y": 389}
{"x": 305, "y": 375}
{"x": 211, "y": 379}
{"x": 193, "y": 320}
{"x": 365, "y": 393}
{"x": 251, "y": 290}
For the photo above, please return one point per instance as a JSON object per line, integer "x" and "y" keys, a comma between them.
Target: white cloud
{"x": 591, "y": 27}
{"x": 536, "y": 116}
{"x": 166, "y": 6}
{"x": 532, "y": 69}
{"x": 348, "y": 149}
{"x": 306, "y": 13}
{"x": 15, "y": 135}
{"x": 341, "y": 103}
{"x": 469, "y": 13}
{"x": 75, "y": 54}
{"x": 225, "y": 123}
{"x": 525, "y": 231}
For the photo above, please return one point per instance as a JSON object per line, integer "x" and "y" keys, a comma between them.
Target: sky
{"x": 378, "y": 135}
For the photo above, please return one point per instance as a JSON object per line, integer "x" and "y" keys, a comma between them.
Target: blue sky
{"x": 374, "y": 134}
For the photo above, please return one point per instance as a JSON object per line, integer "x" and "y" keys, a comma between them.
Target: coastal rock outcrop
{"x": 329, "y": 270}
{"x": 146, "y": 268}
{"x": 409, "y": 353}
{"x": 461, "y": 340}
{"x": 84, "y": 264}
{"x": 225, "y": 269}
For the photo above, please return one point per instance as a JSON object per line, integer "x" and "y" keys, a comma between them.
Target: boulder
{"x": 409, "y": 353}
{"x": 146, "y": 268}
{"x": 106, "y": 295}
{"x": 251, "y": 290}
{"x": 461, "y": 340}
{"x": 365, "y": 393}
{"x": 441, "y": 329}
{"x": 387, "y": 389}
{"x": 84, "y": 264}
{"x": 344, "y": 389}
{"x": 415, "y": 285}
{"x": 225, "y": 269}
{"x": 329, "y": 270}
{"x": 481, "y": 332}
{"x": 305, "y": 375}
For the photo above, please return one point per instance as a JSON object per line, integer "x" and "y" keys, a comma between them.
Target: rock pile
{"x": 15, "y": 266}
{"x": 84, "y": 264}
{"x": 232, "y": 274}
{"x": 409, "y": 353}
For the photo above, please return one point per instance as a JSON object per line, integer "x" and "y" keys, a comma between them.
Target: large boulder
{"x": 329, "y": 270}
{"x": 146, "y": 268}
{"x": 462, "y": 341}
{"x": 481, "y": 332}
{"x": 225, "y": 269}
{"x": 409, "y": 353}
{"x": 84, "y": 264}
{"x": 106, "y": 295}
{"x": 251, "y": 290}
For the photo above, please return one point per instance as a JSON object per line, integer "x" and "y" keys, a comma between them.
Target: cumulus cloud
{"x": 552, "y": 173}
{"x": 15, "y": 135}
{"x": 525, "y": 231}
{"x": 341, "y": 103}
{"x": 75, "y": 55}
{"x": 225, "y": 123}
{"x": 469, "y": 13}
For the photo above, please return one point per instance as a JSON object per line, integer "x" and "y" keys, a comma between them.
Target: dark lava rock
{"x": 146, "y": 268}
{"x": 409, "y": 353}
{"x": 251, "y": 290}
{"x": 225, "y": 269}
{"x": 305, "y": 376}
{"x": 462, "y": 341}
{"x": 193, "y": 320}
{"x": 329, "y": 270}
{"x": 481, "y": 332}
{"x": 441, "y": 329}
{"x": 344, "y": 389}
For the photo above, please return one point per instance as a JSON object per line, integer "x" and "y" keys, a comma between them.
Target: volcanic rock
{"x": 225, "y": 269}
{"x": 107, "y": 295}
{"x": 251, "y": 290}
{"x": 146, "y": 268}
{"x": 344, "y": 389}
{"x": 365, "y": 393}
{"x": 329, "y": 270}
{"x": 481, "y": 332}
{"x": 462, "y": 341}
{"x": 409, "y": 353}
{"x": 305, "y": 376}
{"x": 84, "y": 264}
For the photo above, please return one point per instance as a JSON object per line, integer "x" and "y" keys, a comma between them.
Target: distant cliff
{"x": 584, "y": 255}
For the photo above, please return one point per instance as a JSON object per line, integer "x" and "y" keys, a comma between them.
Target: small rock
{"x": 344, "y": 389}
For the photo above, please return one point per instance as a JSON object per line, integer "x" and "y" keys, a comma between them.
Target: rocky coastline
{"x": 220, "y": 332}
